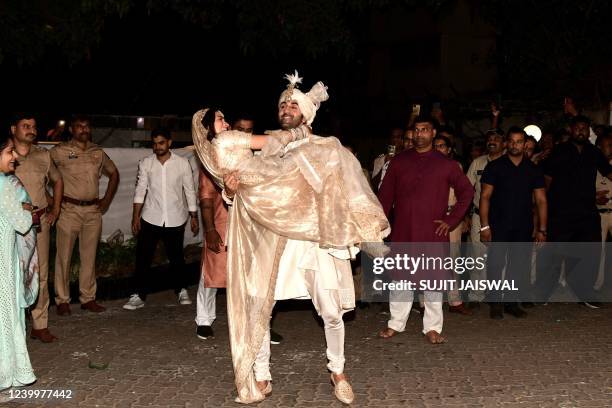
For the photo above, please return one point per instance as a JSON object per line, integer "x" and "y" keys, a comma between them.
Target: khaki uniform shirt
{"x": 35, "y": 171}
{"x": 81, "y": 169}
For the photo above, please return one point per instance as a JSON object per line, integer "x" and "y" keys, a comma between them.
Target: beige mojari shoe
{"x": 343, "y": 391}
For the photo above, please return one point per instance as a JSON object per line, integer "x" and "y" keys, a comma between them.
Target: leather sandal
{"x": 43, "y": 335}
{"x": 460, "y": 309}
{"x": 92, "y": 306}
{"x": 63, "y": 309}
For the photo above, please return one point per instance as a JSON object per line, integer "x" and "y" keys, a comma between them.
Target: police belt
{"x": 82, "y": 203}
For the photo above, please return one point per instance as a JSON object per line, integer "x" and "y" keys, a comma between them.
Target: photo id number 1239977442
{"x": 40, "y": 394}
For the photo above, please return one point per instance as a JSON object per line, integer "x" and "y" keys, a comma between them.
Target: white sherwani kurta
{"x": 315, "y": 193}
{"x": 300, "y": 256}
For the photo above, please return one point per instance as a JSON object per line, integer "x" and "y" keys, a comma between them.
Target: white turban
{"x": 308, "y": 102}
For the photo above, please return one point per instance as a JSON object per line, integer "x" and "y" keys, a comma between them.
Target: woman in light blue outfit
{"x": 15, "y": 217}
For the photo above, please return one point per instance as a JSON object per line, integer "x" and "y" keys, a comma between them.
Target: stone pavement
{"x": 560, "y": 356}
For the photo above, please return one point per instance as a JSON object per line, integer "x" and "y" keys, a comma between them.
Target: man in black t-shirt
{"x": 570, "y": 173}
{"x": 510, "y": 185}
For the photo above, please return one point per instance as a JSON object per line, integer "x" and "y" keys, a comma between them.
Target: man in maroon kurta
{"x": 416, "y": 189}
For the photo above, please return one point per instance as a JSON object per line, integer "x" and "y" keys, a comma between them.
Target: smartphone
{"x": 416, "y": 109}
{"x": 436, "y": 105}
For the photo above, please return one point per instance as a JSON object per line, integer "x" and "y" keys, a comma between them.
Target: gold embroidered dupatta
{"x": 314, "y": 192}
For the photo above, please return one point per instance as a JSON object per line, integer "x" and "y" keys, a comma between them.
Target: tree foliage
{"x": 29, "y": 29}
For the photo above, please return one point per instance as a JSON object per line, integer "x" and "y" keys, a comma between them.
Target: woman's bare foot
{"x": 265, "y": 387}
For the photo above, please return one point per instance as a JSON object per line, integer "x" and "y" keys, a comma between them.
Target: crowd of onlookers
{"x": 508, "y": 188}
{"x": 555, "y": 188}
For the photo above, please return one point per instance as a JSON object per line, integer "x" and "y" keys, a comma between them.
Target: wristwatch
{"x": 486, "y": 227}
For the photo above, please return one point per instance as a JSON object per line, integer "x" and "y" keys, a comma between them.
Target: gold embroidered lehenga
{"x": 315, "y": 192}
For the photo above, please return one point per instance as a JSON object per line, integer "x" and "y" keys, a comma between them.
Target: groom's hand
{"x": 231, "y": 182}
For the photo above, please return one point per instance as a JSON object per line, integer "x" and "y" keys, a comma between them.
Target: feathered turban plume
{"x": 308, "y": 102}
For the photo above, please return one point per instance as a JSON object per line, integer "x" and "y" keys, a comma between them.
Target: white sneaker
{"x": 183, "y": 297}
{"x": 592, "y": 305}
{"x": 134, "y": 303}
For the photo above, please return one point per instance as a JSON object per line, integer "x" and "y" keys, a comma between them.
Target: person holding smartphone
{"x": 381, "y": 163}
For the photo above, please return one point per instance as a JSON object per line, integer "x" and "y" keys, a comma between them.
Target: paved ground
{"x": 561, "y": 356}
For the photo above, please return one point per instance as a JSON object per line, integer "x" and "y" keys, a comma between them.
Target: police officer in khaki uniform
{"x": 81, "y": 164}
{"x": 36, "y": 170}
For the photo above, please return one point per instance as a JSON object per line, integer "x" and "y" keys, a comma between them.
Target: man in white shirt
{"x": 165, "y": 182}
{"x": 495, "y": 149}
{"x": 381, "y": 163}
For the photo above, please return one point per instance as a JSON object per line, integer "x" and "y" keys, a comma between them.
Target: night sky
{"x": 157, "y": 64}
{"x": 154, "y": 61}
